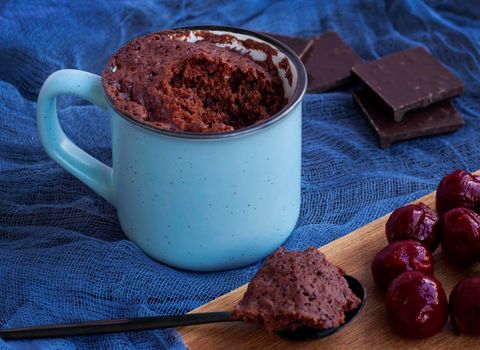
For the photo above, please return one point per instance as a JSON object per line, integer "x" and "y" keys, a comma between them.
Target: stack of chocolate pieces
{"x": 406, "y": 95}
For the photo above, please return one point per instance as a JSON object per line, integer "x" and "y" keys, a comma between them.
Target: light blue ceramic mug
{"x": 194, "y": 201}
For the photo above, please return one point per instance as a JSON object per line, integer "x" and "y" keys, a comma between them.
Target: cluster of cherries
{"x": 415, "y": 300}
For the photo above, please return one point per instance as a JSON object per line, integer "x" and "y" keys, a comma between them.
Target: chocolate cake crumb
{"x": 176, "y": 85}
{"x": 297, "y": 289}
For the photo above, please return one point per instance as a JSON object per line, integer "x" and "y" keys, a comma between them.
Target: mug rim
{"x": 297, "y": 96}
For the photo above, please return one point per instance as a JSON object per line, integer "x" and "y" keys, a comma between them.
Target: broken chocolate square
{"x": 327, "y": 59}
{"x": 408, "y": 80}
{"x": 298, "y": 45}
{"x": 435, "y": 119}
{"x": 329, "y": 62}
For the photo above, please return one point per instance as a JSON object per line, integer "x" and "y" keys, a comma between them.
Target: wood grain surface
{"x": 354, "y": 253}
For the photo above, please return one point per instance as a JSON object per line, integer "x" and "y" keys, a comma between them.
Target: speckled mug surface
{"x": 200, "y": 202}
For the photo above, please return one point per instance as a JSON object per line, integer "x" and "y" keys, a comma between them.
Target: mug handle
{"x": 92, "y": 172}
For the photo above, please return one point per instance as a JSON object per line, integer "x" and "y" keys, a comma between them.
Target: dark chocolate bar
{"x": 408, "y": 80}
{"x": 298, "y": 45}
{"x": 329, "y": 62}
{"x": 435, "y": 119}
{"x": 327, "y": 59}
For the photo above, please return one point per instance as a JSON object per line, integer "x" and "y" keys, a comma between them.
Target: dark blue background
{"x": 63, "y": 257}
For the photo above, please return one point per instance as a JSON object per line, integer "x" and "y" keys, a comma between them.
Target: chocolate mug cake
{"x": 187, "y": 86}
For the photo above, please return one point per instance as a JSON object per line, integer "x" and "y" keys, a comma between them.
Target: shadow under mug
{"x": 200, "y": 202}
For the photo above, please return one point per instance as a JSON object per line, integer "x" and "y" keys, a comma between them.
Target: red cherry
{"x": 399, "y": 257}
{"x": 458, "y": 189}
{"x": 460, "y": 234}
{"x": 465, "y": 306}
{"x": 414, "y": 221}
{"x": 417, "y": 305}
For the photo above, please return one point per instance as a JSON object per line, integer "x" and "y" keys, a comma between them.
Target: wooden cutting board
{"x": 370, "y": 330}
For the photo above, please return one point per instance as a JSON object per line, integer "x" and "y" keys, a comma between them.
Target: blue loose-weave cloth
{"x": 63, "y": 256}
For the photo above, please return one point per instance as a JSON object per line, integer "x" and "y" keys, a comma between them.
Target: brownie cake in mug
{"x": 202, "y": 86}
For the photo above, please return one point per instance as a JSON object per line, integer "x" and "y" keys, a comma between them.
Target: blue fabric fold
{"x": 63, "y": 256}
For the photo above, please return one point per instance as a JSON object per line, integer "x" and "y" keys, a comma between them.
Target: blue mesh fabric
{"x": 63, "y": 256}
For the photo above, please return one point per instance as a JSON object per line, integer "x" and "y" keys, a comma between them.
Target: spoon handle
{"x": 113, "y": 326}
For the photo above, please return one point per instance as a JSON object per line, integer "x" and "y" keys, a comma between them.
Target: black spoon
{"x": 145, "y": 323}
